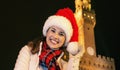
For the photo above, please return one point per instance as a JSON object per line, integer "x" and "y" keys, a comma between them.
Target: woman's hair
{"x": 34, "y": 44}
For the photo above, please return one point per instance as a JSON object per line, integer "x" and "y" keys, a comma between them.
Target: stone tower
{"x": 86, "y": 22}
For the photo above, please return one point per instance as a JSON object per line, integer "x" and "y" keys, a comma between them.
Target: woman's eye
{"x": 62, "y": 34}
{"x": 53, "y": 31}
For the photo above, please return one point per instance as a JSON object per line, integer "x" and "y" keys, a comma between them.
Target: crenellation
{"x": 112, "y": 60}
{"x": 104, "y": 58}
{"x": 99, "y": 62}
{"x": 99, "y": 57}
{"x": 108, "y": 59}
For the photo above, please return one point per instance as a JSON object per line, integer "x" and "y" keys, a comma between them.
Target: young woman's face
{"x": 55, "y": 37}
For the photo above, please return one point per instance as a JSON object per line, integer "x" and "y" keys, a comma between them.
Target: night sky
{"x": 22, "y": 21}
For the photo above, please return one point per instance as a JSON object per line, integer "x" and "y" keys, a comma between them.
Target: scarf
{"x": 49, "y": 56}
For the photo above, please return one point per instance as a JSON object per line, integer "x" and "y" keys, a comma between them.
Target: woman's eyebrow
{"x": 53, "y": 28}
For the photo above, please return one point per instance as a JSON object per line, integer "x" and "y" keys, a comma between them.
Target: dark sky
{"x": 106, "y": 30}
{"x": 22, "y": 21}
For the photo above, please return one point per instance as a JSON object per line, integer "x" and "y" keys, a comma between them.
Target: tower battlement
{"x": 97, "y": 63}
{"x": 104, "y": 58}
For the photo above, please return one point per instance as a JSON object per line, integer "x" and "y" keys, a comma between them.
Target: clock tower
{"x": 88, "y": 30}
{"x": 86, "y": 21}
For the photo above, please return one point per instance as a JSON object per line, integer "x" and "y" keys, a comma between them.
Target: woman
{"x": 60, "y": 31}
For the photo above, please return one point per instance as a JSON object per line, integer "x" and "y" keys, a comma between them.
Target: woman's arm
{"x": 23, "y": 59}
{"x": 74, "y": 60}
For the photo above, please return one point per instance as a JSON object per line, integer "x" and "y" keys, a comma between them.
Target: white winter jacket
{"x": 28, "y": 61}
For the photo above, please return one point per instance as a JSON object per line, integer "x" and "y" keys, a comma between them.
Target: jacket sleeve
{"x": 23, "y": 59}
{"x": 74, "y": 60}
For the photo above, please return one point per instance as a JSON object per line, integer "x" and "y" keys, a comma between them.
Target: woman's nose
{"x": 56, "y": 35}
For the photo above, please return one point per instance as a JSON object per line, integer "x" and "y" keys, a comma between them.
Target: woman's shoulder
{"x": 23, "y": 58}
{"x": 25, "y": 50}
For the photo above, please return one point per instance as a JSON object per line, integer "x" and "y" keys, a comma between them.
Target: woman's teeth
{"x": 54, "y": 42}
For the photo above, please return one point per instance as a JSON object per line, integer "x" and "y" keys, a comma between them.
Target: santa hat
{"x": 64, "y": 18}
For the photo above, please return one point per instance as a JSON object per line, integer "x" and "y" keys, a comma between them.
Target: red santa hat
{"x": 64, "y": 18}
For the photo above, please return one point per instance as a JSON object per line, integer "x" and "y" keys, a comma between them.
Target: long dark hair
{"x": 34, "y": 44}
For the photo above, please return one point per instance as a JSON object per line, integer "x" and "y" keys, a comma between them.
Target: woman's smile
{"x": 54, "y": 41}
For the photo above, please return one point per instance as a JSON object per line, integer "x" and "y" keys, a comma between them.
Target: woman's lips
{"x": 54, "y": 41}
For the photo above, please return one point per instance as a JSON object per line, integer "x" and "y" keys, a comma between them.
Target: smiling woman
{"x": 60, "y": 32}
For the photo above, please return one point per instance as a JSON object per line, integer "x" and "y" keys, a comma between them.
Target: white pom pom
{"x": 73, "y": 48}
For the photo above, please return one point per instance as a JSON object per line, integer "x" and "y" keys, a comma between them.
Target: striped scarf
{"x": 48, "y": 57}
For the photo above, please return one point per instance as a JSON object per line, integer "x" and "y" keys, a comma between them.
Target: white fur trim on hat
{"x": 61, "y": 22}
{"x": 73, "y": 47}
